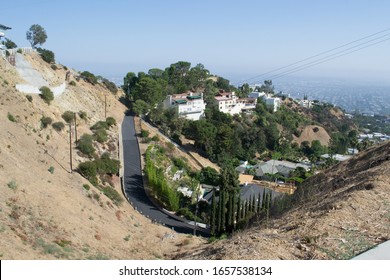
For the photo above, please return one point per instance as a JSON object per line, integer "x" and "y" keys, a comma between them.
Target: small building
{"x": 306, "y": 103}
{"x": 337, "y": 157}
{"x": 189, "y": 105}
{"x": 282, "y": 167}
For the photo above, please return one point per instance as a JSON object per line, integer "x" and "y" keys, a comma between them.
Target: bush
{"x": 107, "y": 166}
{"x": 46, "y": 94}
{"x": 88, "y": 170}
{"x": 144, "y": 133}
{"x": 99, "y": 125}
{"x": 112, "y": 194}
{"x": 86, "y": 187}
{"x": 51, "y": 169}
{"x": 54, "y": 67}
{"x": 29, "y": 98}
{"x": 83, "y": 115}
{"x": 72, "y": 83}
{"x": 89, "y": 77}
{"x": 110, "y": 86}
{"x": 47, "y": 56}
{"x": 11, "y": 117}
{"x": 46, "y": 121}
{"x": 101, "y": 135}
{"x": 110, "y": 121}
{"x": 58, "y": 126}
{"x": 68, "y": 116}
{"x": 85, "y": 144}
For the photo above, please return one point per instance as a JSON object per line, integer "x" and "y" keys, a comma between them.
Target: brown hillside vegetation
{"x": 45, "y": 212}
{"x": 311, "y": 133}
{"x": 339, "y": 213}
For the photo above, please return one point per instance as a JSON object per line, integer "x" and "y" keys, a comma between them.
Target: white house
{"x": 189, "y": 105}
{"x": 229, "y": 103}
{"x": 306, "y": 103}
{"x": 271, "y": 102}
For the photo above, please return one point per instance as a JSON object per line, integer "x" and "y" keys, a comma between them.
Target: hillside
{"x": 46, "y": 213}
{"x": 339, "y": 213}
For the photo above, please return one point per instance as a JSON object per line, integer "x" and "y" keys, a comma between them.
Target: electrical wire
{"x": 322, "y": 53}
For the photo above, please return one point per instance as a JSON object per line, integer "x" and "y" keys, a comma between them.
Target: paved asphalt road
{"x": 133, "y": 182}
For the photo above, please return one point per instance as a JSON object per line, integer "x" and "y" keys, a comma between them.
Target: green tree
{"x": 9, "y": 44}
{"x": 36, "y": 35}
{"x": 140, "y": 107}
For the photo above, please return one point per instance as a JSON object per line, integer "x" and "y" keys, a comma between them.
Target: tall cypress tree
{"x": 238, "y": 210}
{"x": 219, "y": 216}
{"x": 223, "y": 211}
{"x": 229, "y": 212}
{"x": 259, "y": 203}
{"x": 213, "y": 219}
{"x": 254, "y": 204}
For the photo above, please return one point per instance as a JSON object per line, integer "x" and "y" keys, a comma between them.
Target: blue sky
{"x": 235, "y": 39}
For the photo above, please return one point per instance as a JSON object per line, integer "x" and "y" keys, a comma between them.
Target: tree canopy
{"x": 36, "y": 35}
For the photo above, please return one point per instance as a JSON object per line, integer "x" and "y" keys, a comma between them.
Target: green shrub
{"x": 12, "y": 185}
{"x": 86, "y": 187}
{"x": 89, "y": 77}
{"x": 83, "y": 115}
{"x": 29, "y": 98}
{"x": 88, "y": 170}
{"x": 68, "y": 116}
{"x": 99, "y": 125}
{"x": 112, "y": 194}
{"x": 58, "y": 126}
{"x": 47, "y": 55}
{"x": 46, "y": 121}
{"x": 144, "y": 133}
{"x": 54, "y": 67}
{"x": 46, "y": 94}
{"x": 72, "y": 83}
{"x": 110, "y": 121}
{"x": 51, "y": 169}
{"x": 101, "y": 135}
{"x": 107, "y": 166}
{"x": 110, "y": 86}
{"x": 11, "y": 117}
{"x": 85, "y": 144}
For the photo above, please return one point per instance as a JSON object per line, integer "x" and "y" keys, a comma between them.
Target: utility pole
{"x": 75, "y": 127}
{"x": 70, "y": 146}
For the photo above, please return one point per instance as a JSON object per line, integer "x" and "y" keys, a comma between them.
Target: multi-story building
{"x": 189, "y": 105}
{"x": 229, "y": 103}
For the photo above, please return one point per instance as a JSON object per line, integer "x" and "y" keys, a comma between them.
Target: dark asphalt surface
{"x": 133, "y": 183}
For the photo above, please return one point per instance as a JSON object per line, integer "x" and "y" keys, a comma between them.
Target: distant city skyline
{"x": 234, "y": 39}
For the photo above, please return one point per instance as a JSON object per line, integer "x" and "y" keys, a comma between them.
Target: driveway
{"x": 133, "y": 183}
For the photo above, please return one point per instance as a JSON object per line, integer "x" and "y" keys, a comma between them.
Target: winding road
{"x": 134, "y": 188}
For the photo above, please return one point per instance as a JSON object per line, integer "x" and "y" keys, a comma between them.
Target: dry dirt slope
{"x": 50, "y": 216}
{"x": 342, "y": 212}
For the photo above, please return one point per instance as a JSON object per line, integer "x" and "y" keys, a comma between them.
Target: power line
{"x": 328, "y": 58}
{"x": 320, "y": 54}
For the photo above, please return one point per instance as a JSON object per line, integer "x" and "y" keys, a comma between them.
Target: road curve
{"x": 133, "y": 183}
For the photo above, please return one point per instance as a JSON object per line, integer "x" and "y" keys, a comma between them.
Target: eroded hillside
{"x": 46, "y": 212}
{"x": 338, "y": 214}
